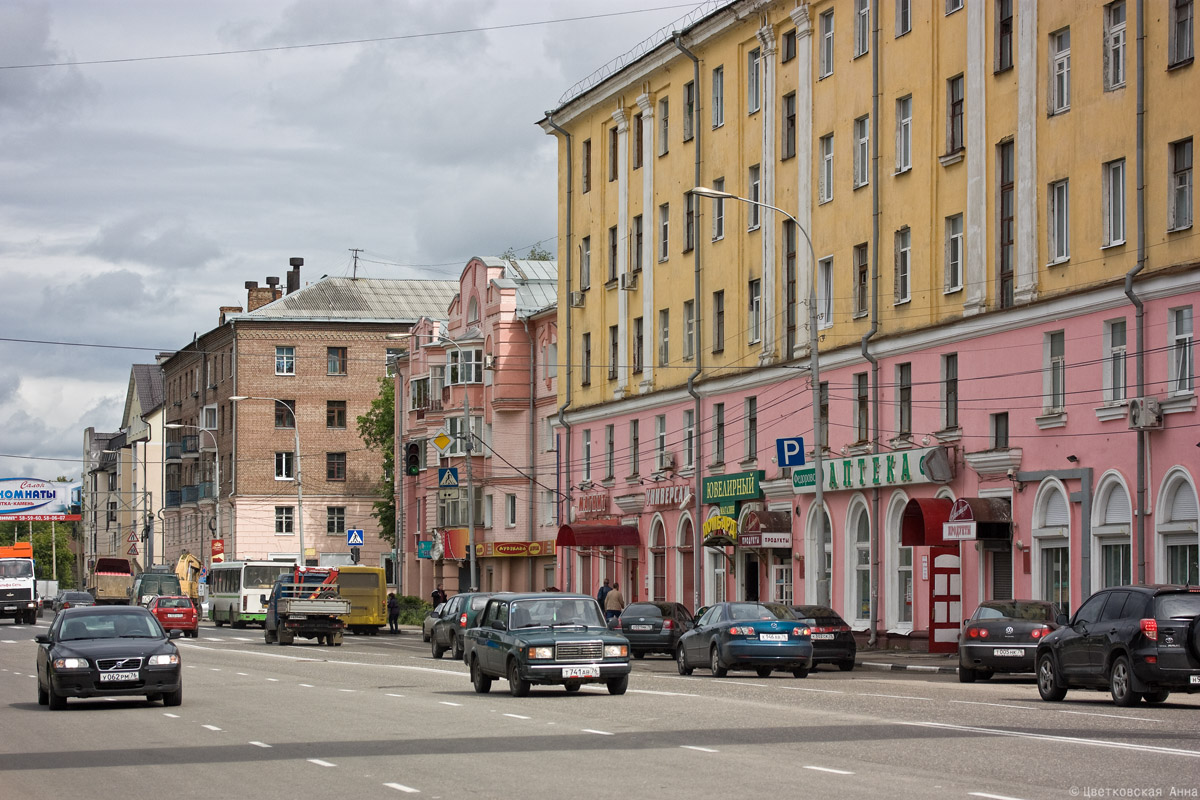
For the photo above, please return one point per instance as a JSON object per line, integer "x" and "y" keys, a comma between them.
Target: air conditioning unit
{"x": 576, "y": 299}
{"x": 628, "y": 281}
{"x": 667, "y": 461}
{"x": 489, "y": 361}
{"x": 1145, "y": 413}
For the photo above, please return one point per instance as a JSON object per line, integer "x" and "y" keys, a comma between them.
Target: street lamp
{"x": 216, "y": 463}
{"x": 299, "y": 489}
{"x": 814, "y": 342}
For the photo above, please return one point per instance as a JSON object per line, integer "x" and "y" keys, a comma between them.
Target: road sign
{"x": 448, "y": 494}
{"x": 448, "y": 477}
{"x": 790, "y": 452}
{"x": 133, "y": 551}
{"x": 133, "y": 536}
{"x": 442, "y": 441}
{"x": 354, "y": 537}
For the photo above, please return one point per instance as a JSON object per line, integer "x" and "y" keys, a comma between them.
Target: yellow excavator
{"x": 188, "y": 568}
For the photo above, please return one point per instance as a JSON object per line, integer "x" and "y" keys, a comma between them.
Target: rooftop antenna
{"x": 355, "y": 251}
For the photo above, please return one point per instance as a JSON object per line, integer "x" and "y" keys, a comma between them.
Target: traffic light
{"x": 355, "y": 554}
{"x": 412, "y": 458}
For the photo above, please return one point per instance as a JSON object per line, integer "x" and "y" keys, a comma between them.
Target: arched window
{"x": 658, "y": 562}
{"x": 685, "y": 561}
{"x": 473, "y": 311}
{"x": 1052, "y": 545}
{"x": 1112, "y": 551}
{"x": 858, "y": 563}
{"x": 1177, "y": 527}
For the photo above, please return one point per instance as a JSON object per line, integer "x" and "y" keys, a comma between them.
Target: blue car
{"x": 747, "y": 635}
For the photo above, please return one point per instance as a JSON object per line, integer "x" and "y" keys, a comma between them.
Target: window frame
{"x": 1115, "y": 45}
{"x": 825, "y": 62}
{"x": 825, "y": 187}
{"x": 718, "y": 340}
{"x": 862, "y": 151}
{"x": 1004, "y": 35}
{"x": 862, "y": 27}
{"x": 664, "y": 225}
{"x": 1058, "y": 221}
{"x": 754, "y": 192}
{"x": 336, "y": 360}
{"x": 902, "y": 288}
{"x": 904, "y": 133}
{"x": 333, "y": 414}
{"x": 754, "y": 312}
{"x": 1059, "y": 71}
{"x": 689, "y": 111}
{"x": 1114, "y": 203}
{"x": 717, "y": 112}
{"x": 285, "y": 359}
{"x": 718, "y": 209}
{"x": 335, "y": 520}
{"x": 753, "y": 80}
{"x": 1180, "y": 185}
{"x": 1181, "y": 34}
{"x": 788, "y": 142}
{"x": 1182, "y": 363}
{"x": 955, "y": 114}
{"x": 955, "y": 241}
{"x": 285, "y": 465}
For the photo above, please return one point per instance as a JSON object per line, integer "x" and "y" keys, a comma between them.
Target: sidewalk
{"x": 939, "y": 663}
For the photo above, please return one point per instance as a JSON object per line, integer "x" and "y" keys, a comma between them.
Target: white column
{"x": 978, "y": 153}
{"x": 770, "y": 266}
{"x": 649, "y": 240}
{"x": 804, "y": 161}
{"x": 622, "y": 249}
{"x": 1026, "y": 245}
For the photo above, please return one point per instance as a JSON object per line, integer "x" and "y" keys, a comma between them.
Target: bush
{"x": 413, "y": 609}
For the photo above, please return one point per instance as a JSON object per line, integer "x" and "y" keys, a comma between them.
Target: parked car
{"x": 1003, "y": 636}
{"x": 1138, "y": 642}
{"x": 832, "y": 639}
{"x": 107, "y": 651}
{"x": 459, "y": 613}
{"x": 431, "y": 617}
{"x": 747, "y": 635}
{"x": 72, "y": 600}
{"x": 176, "y": 613}
{"x": 653, "y": 627}
{"x": 545, "y": 638}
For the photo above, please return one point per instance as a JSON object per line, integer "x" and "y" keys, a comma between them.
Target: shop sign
{"x": 515, "y": 549}
{"x": 666, "y": 495}
{"x": 722, "y": 526}
{"x": 958, "y": 531}
{"x": 592, "y": 503}
{"x": 425, "y": 548}
{"x": 766, "y": 540}
{"x": 726, "y": 490}
{"x": 865, "y": 472}
{"x": 218, "y": 551}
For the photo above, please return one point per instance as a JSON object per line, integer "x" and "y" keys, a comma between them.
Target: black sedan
{"x": 72, "y": 600}
{"x": 832, "y": 639}
{"x": 653, "y": 627}
{"x": 747, "y": 635}
{"x": 107, "y": 651}
{"x": 1003, "y": 636}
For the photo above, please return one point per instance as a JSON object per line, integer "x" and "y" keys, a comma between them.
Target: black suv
{"x": 1136, "y": 641}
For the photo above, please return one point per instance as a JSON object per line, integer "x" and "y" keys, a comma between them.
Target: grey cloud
{"x": 154, "y": 240}
{"x": 42, "y": 93}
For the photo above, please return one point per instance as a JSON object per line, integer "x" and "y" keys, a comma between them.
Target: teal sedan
{"x": 761, "y": 636}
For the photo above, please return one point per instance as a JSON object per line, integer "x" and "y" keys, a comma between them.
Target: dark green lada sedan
{"x": 546, "y": 638}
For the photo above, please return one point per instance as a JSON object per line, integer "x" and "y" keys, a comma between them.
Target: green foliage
{"x": 377, "y": 428}
{"x": 535, "y": 254}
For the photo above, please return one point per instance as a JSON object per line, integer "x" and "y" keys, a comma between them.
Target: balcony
{"x": 191, "y": 446}
{"x": 174, "y": 497}
{"x": 191, "y": 494}
{"x": 206, "y": 492}
{"x": 174, "y": 451}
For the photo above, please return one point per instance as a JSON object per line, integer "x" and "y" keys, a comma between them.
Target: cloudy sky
{"x": 138, "y": 193}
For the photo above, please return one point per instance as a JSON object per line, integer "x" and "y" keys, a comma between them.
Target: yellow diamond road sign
{"x": 442, "y": 440}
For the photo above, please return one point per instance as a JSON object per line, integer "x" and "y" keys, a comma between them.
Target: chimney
{"x": 257, "y": 297}
{"x": 276, "y": 292}
{"x": 293, "y": 276}
{"x": 228, "y": 310}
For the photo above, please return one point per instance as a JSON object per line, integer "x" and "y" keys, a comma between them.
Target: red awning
{"x": 921, "y": 524}
{"x": 598, "y": 536}
{"x": 768, "y": 522}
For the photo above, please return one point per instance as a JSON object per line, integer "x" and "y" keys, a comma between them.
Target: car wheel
{"x": 43, "y": 695}
{"x": 424, "y": 636}
{"x": 966, "y": 675}
{"x": 285, "y": 636}
{"x": 337, "y": 639}
{"x": 572, "y": 686}
{"x": 681, "y": 662}
{"x": 196, "y": 633}
{"x": 1120, "y": 683}
{"x": 1156, "y": 697}
{"x": 436, "y": 648}
{"x": 270, "y": 636}
{"x": 763, "y": 672}
{"x": 639, "y": 654}
{"x": 174, "y": 698}
{"x": 985, "y": 674}
{"x": 456, "y": 648}
{"x": 517, "y": 686}
{"x": 1047, "y": 679}
{"x": 55, "y": 700}
{"x": 618, "y": 685}
{"x": 714, "y": 664}
{"x": 847, "y": 665}
{"x": 800, "y": 672}
{"x": 482, "y": 683}
{"x": 153, "y": 698}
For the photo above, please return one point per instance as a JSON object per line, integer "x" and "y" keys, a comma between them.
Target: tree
{"x": 43, "y": 548}
{"x": 378, "y": 431}
{"x": 535, "y": 254}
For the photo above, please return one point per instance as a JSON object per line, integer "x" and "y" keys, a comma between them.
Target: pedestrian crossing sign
{"x": 448, "y": 477}
{"x": 354, "y": 537}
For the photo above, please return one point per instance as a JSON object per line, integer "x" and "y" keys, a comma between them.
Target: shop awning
{"x": 768, "y": 522}
{"x": 598, "y": 536}
{"x": 921, "y": 524}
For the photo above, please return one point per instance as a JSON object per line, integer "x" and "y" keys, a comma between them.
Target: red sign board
{"x": 218, "y": 551}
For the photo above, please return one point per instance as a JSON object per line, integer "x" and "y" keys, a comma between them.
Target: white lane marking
{"x": 10, "y": 641}
{"x": 448, "y": 703}
{"x": 241, "y": 638}
{"x": 190, "y": 666}
{"x": 740, "y": 683}
{"x": 211, "y": 727}
{"x": 244, "y": 674}
{"x": 831, "y": 770}
{"x": 895, "y": 696}
{"x": 18, "y": 673}
{"x": 806, "y": 689}
{"x": 319, "y": 762}
{"x": 601, "y": 733}
{"x": 993, "y": 705}
{"x": 395, "y": 695}
{"x": 273, "y": 680}
{"x": 1110, "y": 716}
{"x": 1141, "y": 748}
{"x": 261, "y": 744}
{"x": 402, "y": 788}
{"x": 347, "y": 690}
{"x": 172, "y": 716}
{"x": 701, "y": 749}
{"x": 517, "y": 716}
{"x": 663, "y": 694}
{"x": 214, "y": 669}
{"x": 449, "y": 672}
{"x": 305, "y": 685}
{"x": 992, "y": 796}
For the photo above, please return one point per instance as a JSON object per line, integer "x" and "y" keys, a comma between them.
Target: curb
{"x": 888, "y": 666}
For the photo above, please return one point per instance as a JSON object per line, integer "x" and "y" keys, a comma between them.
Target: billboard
{"x": 36, "y": 500}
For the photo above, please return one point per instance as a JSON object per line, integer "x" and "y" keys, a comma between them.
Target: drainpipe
{"x": 697, "y": 439}
{"x": 1139, "y": 540}
{"x": 562, "y": 410}
{"x": 533, "y": 451}
{"x": 864, "y": 345}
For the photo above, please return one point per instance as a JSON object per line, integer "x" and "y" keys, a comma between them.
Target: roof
{"x": 536, "y": 283}
{"x": 149, "y": 382}
{"x": 359, "y": 300}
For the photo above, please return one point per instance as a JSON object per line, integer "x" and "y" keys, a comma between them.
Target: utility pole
{"x": 355, "y": 251}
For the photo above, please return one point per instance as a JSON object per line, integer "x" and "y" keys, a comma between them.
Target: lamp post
{"x": 216, "y": 464}
{"x": 299, "y": 489}
{"x": 814, "y": 342}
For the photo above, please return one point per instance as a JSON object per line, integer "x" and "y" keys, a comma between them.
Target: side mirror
{"x": 42, "y": 638}
{"x": 500, "y": 625}
{"x": 262, "y": 598}
{"x": 1062, "y": 619}
{"x": 175, "y": 634}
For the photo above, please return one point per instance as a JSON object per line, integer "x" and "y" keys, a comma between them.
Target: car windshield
{"x": 1177, "y": 604}
{"x": 77, "y": 597}
{"x": 109, "y": 626}
{"x": 557, "y": 611}
{"x": 174, "y": 602}
{"x": 263, "y": 577}
{"x": 739, "y": 611}
{"x": 479, "y": 601}
{"x": 1016, "y": 609}
{"x": 16, "y": 569}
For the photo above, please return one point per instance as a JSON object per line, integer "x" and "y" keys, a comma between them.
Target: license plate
{"x": 118, "y": 677}
{"x": 822, "y": 636}
{"x": 641, "y": 627}
{"x": 581, "y": 672}
{"x": 1194, "y": 679}
{"x": 1007, "y": 651}
{"x": 298, "y": 616}
{"x": 10, "y": 608}
{"x": 773, "y": 637}
{"x": 175, "y": 616}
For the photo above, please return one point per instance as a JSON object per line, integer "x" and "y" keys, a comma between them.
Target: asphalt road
{"x": 379, "y": 717}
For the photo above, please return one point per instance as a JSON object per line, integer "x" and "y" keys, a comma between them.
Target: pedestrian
{"x": 604, "y": 590}
{"x": 614, "y": 602}
{"x": 393, "y": 609}
{"x": 439, "y": 596}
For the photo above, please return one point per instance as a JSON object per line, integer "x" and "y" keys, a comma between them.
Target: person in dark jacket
{"x": 603, "y": 593}
{"x": 439, "y": 596}
{"x": 393, "y": 609}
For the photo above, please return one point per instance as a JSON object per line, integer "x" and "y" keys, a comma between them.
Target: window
{"x": 755, "y": 310}
{"x": 950, "y": 391}
{"x": 789, "y": 277}
{"x": 335, "y": 466}
{"x": 637, "y": 243}
{"x": 466, "y": 366}
{"x": 689, "y": 221}
{"x": 551, "y": 361}
{"x": 861, "y": 407}
{"x": 639, "y": 337}
{"x": 718, "y": 97}
{"x": 1179, "y": 203}
{"x": 689, "y": 437}
{"x": 1056, "y": 373}
{"x": 826, "y": 179}
{"x": 788, "y": 145}
{"x": 999, "y": 430}
{"x": 1181, "y": 44}
{"x": 1114, "y": 45}
{"x": 1058, "y": 222}
{"x": 285, "y": 465}
{"x": 954, "y": 114}
{"x": 753, "y": 80}
{"x": 904, "y": 585}
{"x": 1114, "y": 371}
{"x": 904, "y": 399}
{"x": 639, "y": 129}
{"x": 664, "y": 337}
{"x": 751, "y": 433}
{"x": 825, "y": 293}
{"x": 586, "y": 442}
{"x": 664, "y": 231}
{"x": 285, "y": 413}
{"x": 862, "y": 566}
{"x": 689, "y": 330}
{"x": 718, "y": 340}
{"x": 209, "y": 419}
{"x": 612, "y": 153}
{"x": 689, "y": 110}
{"x": 335, "y": 413}
{"x": 610, "y": 445}
{"x": 1004, "y": 236}
{"x": 612, "y": 254}
{"x": 861, "y": 273}
{"x": 953, "y": 5}
{"x": 862, "y": 151}
{"x": 1060, "y": 71}
{"x": 1114, "y": 202}
{"x": 903, "y": 265}
{"x": 284, "y": 519}
{"x": 660, "y": 442}
{"x": 664, "y": 127}
{"x": 1182, "y": 363}
{"x": 586, "y": 176}
{"x": 825, "y": 68}
{"x": 510, "y": 510}
{"x": 823, "y": 416}
{"x": 634, "y": 445}
{"x": 614, "y": 345}
{"x": 1004, "y": 34}
{"x": 586, "y": 365}
{"x": 718, "y": 433}
{"x": 754, "y": 182}
{"x": 788, "y": 48}
{"x": 335, "y": 520}
{"x": 862, "y": 27}
{"x": 903, "y": 17}
{"x": 954, "y": 253}
{"x": 336, "y": 358}
{"x": 285, "y": 360}
{"x": 904, "y": 134}
{"x": 465, "y": 435}
{"x": 718, "y": 211}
